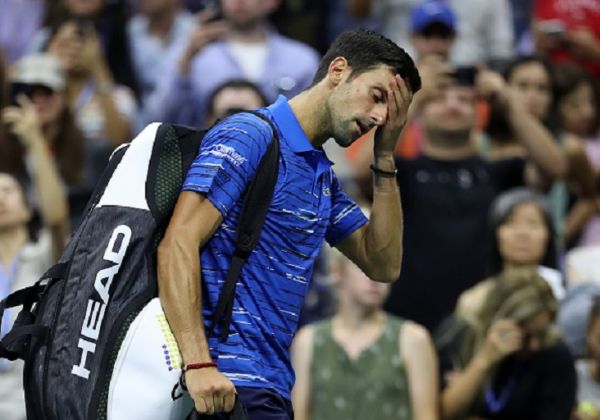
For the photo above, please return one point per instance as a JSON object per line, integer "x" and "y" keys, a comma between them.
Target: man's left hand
{"x": 399, "y": 98}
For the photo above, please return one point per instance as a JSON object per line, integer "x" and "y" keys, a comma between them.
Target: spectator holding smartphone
{"x": 568, "y": 30}
{"x": 241, "y": 44}
{"x": 41, "y": 132}
{"x": 103, "y": 109}
{"x": 577, "y": 115}
{"x": 25, "y": 254}
{"x": 446, "y": 196}
{"x": 153, "y": 31}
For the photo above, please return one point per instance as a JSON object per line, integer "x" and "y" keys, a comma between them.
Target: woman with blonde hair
{"x": 508, "y": 363}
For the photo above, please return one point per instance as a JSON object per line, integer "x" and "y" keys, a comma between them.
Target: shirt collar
{"x": 294, "y": 134}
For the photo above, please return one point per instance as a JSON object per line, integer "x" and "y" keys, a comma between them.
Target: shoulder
{"x": 414, "y": 336}
{"x": 40, "y": 249}
{"x": 572, "y": 145}
{"x": 505, "y": 162}
{"x": 558, "y": 356}
{"x": 303, "y": 341}
{"x": 555, "y": 279}
{"x": 506, "y": 168}
{"x": 248, "y": 128}
{"x": 34, "y": 260}
{"x": 471, "y": 299}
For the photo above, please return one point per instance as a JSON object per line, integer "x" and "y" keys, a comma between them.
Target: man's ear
{"x": 338, "y": 70}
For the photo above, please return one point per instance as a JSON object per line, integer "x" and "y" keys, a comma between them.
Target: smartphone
{"x": 553, "y": 27}
{"x": 84, "y": 25}
{"x": 465, "y": 76}
{"x": 214, "y": 7}
{"x": 17, "y": 89}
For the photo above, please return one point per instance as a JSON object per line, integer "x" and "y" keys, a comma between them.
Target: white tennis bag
{"x": 91, "y": 331}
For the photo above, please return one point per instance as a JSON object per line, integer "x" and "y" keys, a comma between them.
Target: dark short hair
{"x": 21, "y": 183}
{"x": 497, "y": 126}
{"x": 500, "y": 211}
{"x": 569, "y": 77}
{"x": 528, "y": 59}
{"x": 365, "y": 50}
{"x": 234, "y": 84}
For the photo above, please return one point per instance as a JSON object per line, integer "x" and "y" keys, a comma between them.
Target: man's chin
{"x": 345, "y": 142}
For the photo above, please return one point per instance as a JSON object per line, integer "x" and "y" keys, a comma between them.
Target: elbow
{"x": 57, "y": 217}
{"x": 559, "y": 170}
{"x": 386, "y": 273}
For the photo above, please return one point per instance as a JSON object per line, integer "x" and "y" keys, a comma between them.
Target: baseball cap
{"x": 432, "y": 11}
{"x": 39, "y": 69}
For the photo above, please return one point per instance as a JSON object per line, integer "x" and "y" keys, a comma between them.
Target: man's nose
{"x": 379, "y": 115}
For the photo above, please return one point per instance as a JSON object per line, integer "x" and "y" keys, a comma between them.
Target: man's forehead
{"x": 380, "y": 74}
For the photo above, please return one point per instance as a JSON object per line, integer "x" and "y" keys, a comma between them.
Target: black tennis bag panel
{"x": 106, "y": 274}
{"x": 90, "y": 312}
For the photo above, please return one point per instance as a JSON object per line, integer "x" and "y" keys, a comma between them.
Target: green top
{"x": 374, "y": 386}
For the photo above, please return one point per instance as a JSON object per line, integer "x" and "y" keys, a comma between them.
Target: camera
{"x": 465, "y": 76}
{"x": 17, "y": 89}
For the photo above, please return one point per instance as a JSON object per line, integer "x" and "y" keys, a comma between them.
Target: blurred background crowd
{"x": 496, "y": 314}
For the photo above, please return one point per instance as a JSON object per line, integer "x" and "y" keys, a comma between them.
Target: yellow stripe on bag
{"x": 171, "y": 350}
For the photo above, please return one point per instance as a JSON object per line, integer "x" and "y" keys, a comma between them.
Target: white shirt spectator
{"x": 485, "y": 32}
{"x": 148, "y": 52}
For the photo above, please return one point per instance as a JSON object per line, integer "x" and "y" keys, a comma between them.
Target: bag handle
{"x": 15, "y": 342}
{"x": 238, "y": 413}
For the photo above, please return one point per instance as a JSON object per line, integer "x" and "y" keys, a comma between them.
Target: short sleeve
{"x": 228, "y": 159}
{"x": 508, "y": 173}
{"x": 346, "y": 216}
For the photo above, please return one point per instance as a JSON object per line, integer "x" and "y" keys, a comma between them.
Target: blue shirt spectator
{"x": 308, "y": 207}
{"x": 19, "y": 22}
{"x": 288, "y": 68}
{"x": 149, "y": 47}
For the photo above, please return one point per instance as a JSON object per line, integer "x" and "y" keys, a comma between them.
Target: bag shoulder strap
{"x": 252, "y": 218}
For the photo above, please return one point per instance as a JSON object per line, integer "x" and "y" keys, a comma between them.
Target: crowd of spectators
{"x": 496, "y": 311}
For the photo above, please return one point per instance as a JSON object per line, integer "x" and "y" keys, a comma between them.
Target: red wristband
{"x": 191, "y": 366}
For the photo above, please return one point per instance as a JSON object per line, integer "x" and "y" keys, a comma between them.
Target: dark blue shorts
{"x": 262, "y": 404}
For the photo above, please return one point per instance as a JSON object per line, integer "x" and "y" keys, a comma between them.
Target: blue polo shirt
{"x": 308, "y": 207}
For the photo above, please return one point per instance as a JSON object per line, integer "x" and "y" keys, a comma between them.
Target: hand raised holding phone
{"x": 210, "y": 27}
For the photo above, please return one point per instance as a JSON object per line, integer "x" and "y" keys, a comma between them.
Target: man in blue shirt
{"x": 240, "y": 45}
{"x": 364, "y": 81}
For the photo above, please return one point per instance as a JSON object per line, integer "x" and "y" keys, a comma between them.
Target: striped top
{"x": 308, "y": 207}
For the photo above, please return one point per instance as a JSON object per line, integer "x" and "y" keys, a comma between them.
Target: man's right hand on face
{"x": 211, "y": 391}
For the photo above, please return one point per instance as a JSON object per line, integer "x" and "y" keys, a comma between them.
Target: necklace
{"x": 496, "y": 403}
